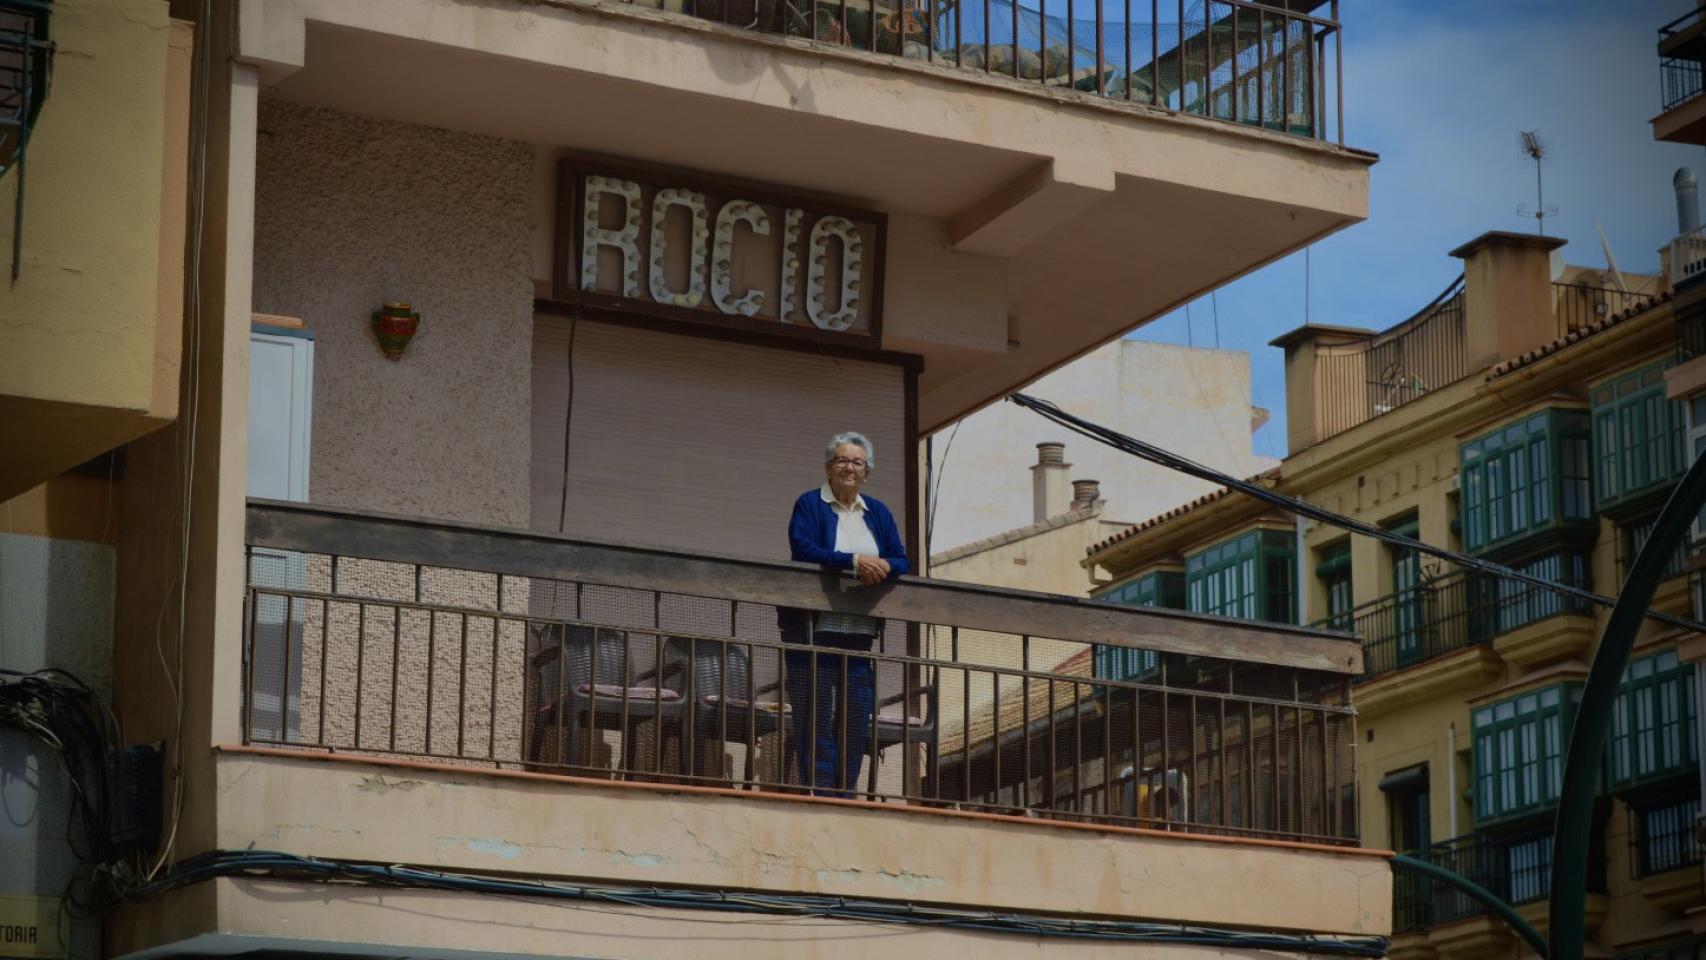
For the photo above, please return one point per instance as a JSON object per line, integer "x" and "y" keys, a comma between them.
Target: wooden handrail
{"x": 311, "y": 528}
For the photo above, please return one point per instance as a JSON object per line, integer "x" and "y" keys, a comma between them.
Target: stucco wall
{"x": 1195, "y": 402}
{"x": 351, "y": 212}
{"x": 79, "y": 324}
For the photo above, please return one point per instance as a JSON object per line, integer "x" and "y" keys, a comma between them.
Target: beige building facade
{"x": 460, "y": 581}
{"x": 1508, "y": 431}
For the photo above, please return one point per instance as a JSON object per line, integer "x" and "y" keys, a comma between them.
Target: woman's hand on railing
{"x": 871, "y": 570}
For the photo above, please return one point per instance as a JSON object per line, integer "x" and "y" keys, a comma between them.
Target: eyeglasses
{"x": 848, "y": 462}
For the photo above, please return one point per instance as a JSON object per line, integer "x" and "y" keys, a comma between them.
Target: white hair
{"x": 855, "y": 438}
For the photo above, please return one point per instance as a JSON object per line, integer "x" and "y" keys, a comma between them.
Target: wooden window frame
{"x": 1517, "y": 746}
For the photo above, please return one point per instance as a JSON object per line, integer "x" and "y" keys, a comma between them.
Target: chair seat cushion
{"x": 738, "y": 703}
{"x": 634, "y": 693}
{"x": 893, "y": 717}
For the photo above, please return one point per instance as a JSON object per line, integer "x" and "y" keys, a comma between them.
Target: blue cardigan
{"x": 811, "y": 539}
{"x": 811, "y": 534}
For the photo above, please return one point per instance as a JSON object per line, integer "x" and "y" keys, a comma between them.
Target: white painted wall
{"x": 1192, "y": 401}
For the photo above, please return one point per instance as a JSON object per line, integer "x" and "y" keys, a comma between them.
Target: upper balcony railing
{"x": 1453, "y": 612}
{"x": 1266, "y": 64}
{"x": 1680, "y": 49}
{"x": 388, "y": 636}
{"x": 1360, "y": 381}
{"x": 1577, "y": 306}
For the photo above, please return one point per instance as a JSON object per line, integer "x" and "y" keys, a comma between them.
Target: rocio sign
{"x": 688, "y": 249}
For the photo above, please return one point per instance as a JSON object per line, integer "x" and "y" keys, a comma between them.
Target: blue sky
{"x": 1440, "y": 90}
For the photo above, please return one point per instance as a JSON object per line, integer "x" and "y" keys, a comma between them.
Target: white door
{"x": 281, "y": 383}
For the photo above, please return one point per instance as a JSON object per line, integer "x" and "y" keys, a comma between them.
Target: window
{"x": 1407, "y": 807}
{"x": 1250, "y": 577}
{"x": 1528, "y": 863}
{"x": 1519, "y": 604}
{"x": 1406, "y": 567}
{"x": 1162, "y": 588}
{"x": 1637, "y": 435}
{"x": 1696, "y": 411}
{"x": 1632, "y": 536}
{"x": 1524, "y": 478}
{"x": 1652, "y": 722}
{"x": 1519, "y": 752}
{"x": 1661, "y": 836}
{"x": 1335, "y": 573}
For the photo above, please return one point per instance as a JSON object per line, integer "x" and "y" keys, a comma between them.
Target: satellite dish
{"x": 1557, "y": 261}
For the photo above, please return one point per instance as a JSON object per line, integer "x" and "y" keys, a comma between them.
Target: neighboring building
{"x": 512, "y": 330}
{"x": 94, "y": 166}
{"x": 1523, "y": 418}
{"x": 1191, "y": 400}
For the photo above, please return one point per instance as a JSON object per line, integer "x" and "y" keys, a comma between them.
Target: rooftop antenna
{"x": 1531, "y": 146}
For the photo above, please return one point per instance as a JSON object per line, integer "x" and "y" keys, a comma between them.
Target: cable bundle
{"x": 61, "y": 712}
{"x": 285, "y": 866}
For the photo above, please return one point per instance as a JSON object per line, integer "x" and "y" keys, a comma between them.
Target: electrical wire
{"x": 1295, "y": 505}
{"x": 175, "y": 674}
{"x": 60, "y": 711}
{"x": 268, "y": 865}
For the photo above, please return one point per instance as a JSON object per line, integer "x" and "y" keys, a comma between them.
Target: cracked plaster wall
{"x": 351, "y": 212}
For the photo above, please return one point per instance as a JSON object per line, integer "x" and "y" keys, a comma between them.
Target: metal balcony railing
{"x": 389, "y": 636}
{"x": 1452, "y": 613}
{"x": 1679, "y": 59}
{"x": 1517, "y": 869}
{"x": 1270, "y": 64}
{"x": 1359, "y": 381}
{"x": 1578, "y": 306}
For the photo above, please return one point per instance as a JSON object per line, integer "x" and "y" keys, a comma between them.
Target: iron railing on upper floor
{"x": 1578, "y": 306}
{"x": 1454, "y": 612}
{"x": 1361, "y": 380}
{"x": 1679, "y": 59}
{"x": 391, "y": 636}
{"x": 1272, "y": 64}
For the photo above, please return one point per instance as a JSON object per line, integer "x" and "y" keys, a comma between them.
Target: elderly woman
{"x": 834, "y": 694}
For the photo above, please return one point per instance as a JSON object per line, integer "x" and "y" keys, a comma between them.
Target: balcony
{"x": 1270, "y": 64}
{"x": 1438, "y": 620}
{"x": 1682, "y": 47}
{"x": 1367, "y": 377}
{"x": 620, "y": 664}
{"x": 1516, "y": 869}
{"x": 1580, "y": 306}
{"x": 482, "y": 700}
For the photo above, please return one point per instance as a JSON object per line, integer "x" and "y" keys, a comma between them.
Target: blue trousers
{"x": 831, "y": 732}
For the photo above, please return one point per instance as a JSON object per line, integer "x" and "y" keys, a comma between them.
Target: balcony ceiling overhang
{"x": 1099, "y": 215}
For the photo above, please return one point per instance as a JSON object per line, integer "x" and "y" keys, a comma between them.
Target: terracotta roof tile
{"x": 1067, "y": 695}
{"x": 1270, "y": 474}
{"x": 1575, "y": 336}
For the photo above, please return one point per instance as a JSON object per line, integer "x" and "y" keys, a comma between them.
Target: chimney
{"x": 1306, "y": 397}
{"x": 1085, "y": 493}
{"x": 1687, "y": 201}
{"x": 1048, "y": 481}
{"x": 1507, "y": 295}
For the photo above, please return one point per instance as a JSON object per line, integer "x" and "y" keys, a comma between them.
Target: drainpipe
{"x": 1451, "y": 774}
{"x": 1302, "y": 580}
